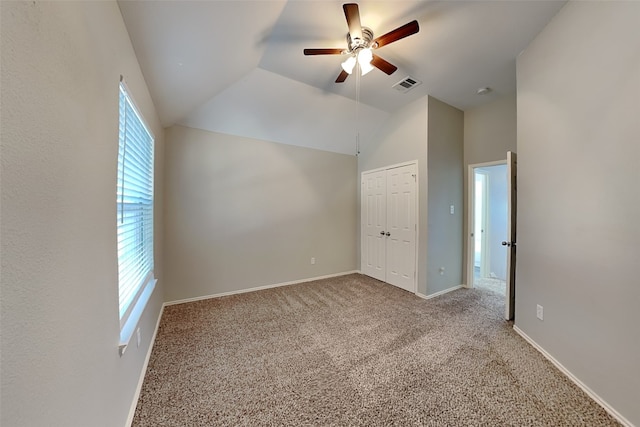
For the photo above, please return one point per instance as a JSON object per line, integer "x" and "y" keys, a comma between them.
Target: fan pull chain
{"x": 358, "y": 72}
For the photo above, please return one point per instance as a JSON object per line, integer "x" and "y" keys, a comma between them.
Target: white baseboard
{"x": 437, "y": 294}
{"x": 615, "y": 414}
{"x": 258, "y": 288}
{"x": 136, "y": 395}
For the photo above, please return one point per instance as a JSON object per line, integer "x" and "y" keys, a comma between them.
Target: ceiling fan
{"x": 360, "y": 45}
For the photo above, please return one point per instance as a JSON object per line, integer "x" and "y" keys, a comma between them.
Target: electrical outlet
{"x": 138, "y": 337}
{"x": 441, "y": 271}
{"x": 452, "y": 209}
{"x": 539, "y": 312}
{"x": 313, "y": 261}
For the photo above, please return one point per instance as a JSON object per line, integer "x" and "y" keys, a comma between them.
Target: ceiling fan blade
{"x": 342, "y": 76}
{"x": 383, "y": 65}
{"x": 323, "y": 51}
{"x": 352, "y": 13}
{"x": 397, "y": 34}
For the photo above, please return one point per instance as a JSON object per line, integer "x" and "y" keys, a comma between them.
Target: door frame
{"x": 471, "y": 214}
{"x": 417, "y": 204}
{"x": 512, "y": 209}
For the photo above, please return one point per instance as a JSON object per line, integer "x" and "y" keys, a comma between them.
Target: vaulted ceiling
{"x": 237, "y": 67}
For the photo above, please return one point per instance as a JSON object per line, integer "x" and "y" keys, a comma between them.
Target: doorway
{"x": 487, "y": 267}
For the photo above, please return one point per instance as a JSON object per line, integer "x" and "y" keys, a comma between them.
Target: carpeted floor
{"x": 352, "y": 351}
{"x": 489, "y": 283}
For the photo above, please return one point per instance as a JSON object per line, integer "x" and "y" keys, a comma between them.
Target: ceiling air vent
{"x": 406, "y": 84}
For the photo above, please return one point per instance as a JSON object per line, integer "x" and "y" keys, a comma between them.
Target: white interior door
{"x": 373, "y": 218}
{"x": 511, "y": 235}
{"x": 401, "y": 227}
{"x": 388, "y": 215}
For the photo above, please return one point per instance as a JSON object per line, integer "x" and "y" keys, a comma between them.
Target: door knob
{"x": 382, "y": 233}
{"x": 388, "y": 234}
{"x": 508, "y": 244}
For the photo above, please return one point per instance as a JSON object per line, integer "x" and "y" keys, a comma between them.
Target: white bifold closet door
{"x": 388, "y": 209}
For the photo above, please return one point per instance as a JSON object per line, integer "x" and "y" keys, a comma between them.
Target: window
{"x": 134, "y": 217}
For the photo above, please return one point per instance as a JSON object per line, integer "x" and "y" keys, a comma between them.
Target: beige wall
{"x": 402, "y": 138}
{"x": 489, "y": 132}
{"x": 579, "y": 197}
{"x": 444, "y": 233}
{"x": 61, "y": 63}
{"x": 242, "y": 213}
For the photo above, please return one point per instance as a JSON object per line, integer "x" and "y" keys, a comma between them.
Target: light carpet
{"x": 491, "y": 284}
{"x": 352, "y": 351}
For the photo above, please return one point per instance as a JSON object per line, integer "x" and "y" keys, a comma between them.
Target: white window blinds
{"x": 135, "y": 210}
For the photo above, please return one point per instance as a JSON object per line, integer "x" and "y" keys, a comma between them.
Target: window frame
{"x": 141, "y": 218}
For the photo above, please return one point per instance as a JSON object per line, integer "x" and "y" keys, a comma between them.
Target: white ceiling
{"x": 237, "y": 66}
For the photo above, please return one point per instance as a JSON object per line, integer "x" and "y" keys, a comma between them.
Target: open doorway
{"x": 488, "y": 227}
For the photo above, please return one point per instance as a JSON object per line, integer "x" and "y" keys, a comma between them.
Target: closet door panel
{"x": 373, "y": 218}
{"x": 401, "y": 226}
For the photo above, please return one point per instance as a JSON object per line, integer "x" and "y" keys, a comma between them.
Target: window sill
{"x": 126, "y": 333}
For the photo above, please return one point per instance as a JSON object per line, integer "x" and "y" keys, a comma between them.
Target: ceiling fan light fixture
{"x": 360, "y": 42}
{"x": 349, "y": 64}
{"x": 365, "y": 56}
{"x": 365, "y": 67}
